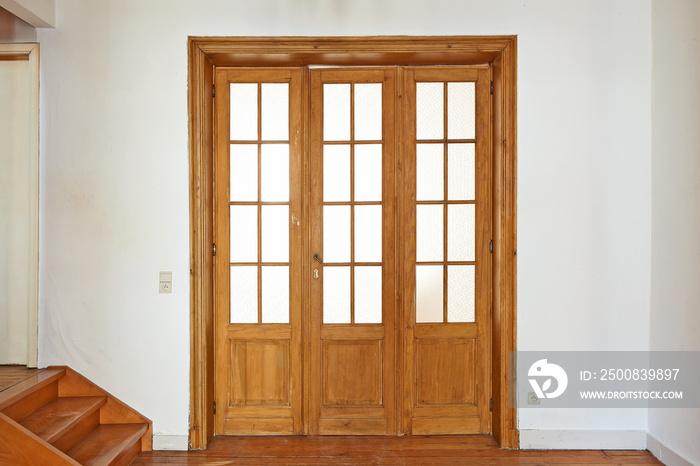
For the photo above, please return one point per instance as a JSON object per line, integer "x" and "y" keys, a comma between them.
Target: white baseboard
{"x": 583, "y": 439}
{"x": 664, "y": 453}
{"x": 171, "y": 442}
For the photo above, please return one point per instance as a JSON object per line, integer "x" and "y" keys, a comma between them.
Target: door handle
{"x": 316, "y": 258}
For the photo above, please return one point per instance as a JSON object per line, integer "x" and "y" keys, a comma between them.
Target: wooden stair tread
{"x": 56, "y": 418}
{"x": 29, "y": 386}
{"x": 106, "y": 444}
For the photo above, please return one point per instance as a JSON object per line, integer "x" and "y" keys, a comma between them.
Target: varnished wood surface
{"x": 360, "y": 450}
{"x": 12, "y": 375}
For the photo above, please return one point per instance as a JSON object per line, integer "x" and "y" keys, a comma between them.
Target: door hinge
{"x": 214, "y": 249}
{"x": 491, "y": 87}
{"x": 491, "y": 246}
{"x": 490, "y": 405}
{"x": 215, "y": 407}
{"x": 213, "y": 90}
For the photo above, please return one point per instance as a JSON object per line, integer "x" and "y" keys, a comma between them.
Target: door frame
{"x": 207, "y": 53}
{"x": 29, "y": 52}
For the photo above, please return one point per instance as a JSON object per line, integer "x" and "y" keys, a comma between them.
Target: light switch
{"x": 165, "y": 282}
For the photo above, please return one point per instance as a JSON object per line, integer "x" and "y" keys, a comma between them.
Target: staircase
{"x": 57, "y": 417}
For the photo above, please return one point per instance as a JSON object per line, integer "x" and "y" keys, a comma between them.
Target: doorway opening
{"x": 375, "y": 301}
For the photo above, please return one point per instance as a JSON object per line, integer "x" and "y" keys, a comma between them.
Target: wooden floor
{"x": 337, "y": 451}
{"x": 12, "y": 375}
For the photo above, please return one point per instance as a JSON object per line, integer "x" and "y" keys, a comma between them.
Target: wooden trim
{"x": 30, "y": 53}
{"x": 504, "y": 244}
{"x": 497, "y": 51}
{"x": 201, "y": 124}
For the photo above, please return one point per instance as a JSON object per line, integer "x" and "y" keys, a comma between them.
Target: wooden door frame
{"x": 206, "y": 53}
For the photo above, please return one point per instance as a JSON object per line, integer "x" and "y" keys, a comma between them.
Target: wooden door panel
{"x": 259, "y": 373}
{"x": 445, "y": 372}
{"x": 258, "y": 364}
{"x": 446, "y": 385}
{"x": 352, "y": 372}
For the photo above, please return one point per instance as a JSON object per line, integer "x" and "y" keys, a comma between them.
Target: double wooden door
{"x": 352, "y": 261}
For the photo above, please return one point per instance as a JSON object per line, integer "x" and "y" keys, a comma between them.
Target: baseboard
{"x": 583, "y": 439}
{"x": 664, "y": 454}
{"x": 171, "y": 442}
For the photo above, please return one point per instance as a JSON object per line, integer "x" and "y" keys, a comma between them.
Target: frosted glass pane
{"x": 336, "y": 173}
{"x": 368, "y": 233}
{"x": 368, "y": 112}
{"x": 430, "y": 174}
{"x": 244, "y": 112}
{"x": 368, "y": 295}
{"x": 460, "y": 293}
{"x": 336, "y": 112}
{"x": 244, "y": 295}
{"x": 460, "y": 232}
{"x": 244, "y": 233}
{"x": 460, "y": 172}
{"x": 460, "y": 110}
{"x": 336, "y": 233}
{"x": 275, "y": 295}
{"x": 429, "y": 111}
{"x": 336, "y": 295}
{"x": 368, "y": 172}
{"x": 429, "y": 237}
{"x": 244, "y": 172}
{"x": 275, "y": 173}
{"x": 275, "y": 111}
{"x": 275, "y": 233}
{"x": 429, "y": 293}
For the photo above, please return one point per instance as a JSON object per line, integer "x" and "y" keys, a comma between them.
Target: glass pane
{"x": 275, "y": 233}
{"x": 429, "y": 293}
{"x": 336, "y": 295}
{"x": 460, "y": 110}
{"x": 429, "y": 111}
{"x": 368, "y": 233}
{"x": 368, "y": 172}
{"x": 244, "y": 112}
{"x": 460, "y": 232}
{"x": 336, "y": 112}
{"x": 336, "y": 233}
{"x": 274, "y": 182}
{"x": 460, "y": 293}
{"x": 460, "y": 172}
{"x": 336, "y": 173}
{"x": 244, "y": 295}
{"x": 430, "y": 174}
{"x": 368, "y": 112}
{"x": 368, "y": 295}
{"x": 429, "y": 237}
{"x": 275, "y": 111}
{"x": 244, "y": 172}
{"x": 244, "y": 233}
{"x": 275, "y": 295}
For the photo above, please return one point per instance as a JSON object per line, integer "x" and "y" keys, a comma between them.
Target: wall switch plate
{"x": 532, "y": 398}
{"x": 165, "y": 282}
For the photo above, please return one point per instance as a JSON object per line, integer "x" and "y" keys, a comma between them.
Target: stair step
{"x": 22, "y": 399}
{"x": 109, "y": 444}
{"x": 57, "y": 418}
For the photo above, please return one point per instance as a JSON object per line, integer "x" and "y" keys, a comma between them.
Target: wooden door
{"x": 352, "y": 228}
{"x": 353, "y": 240}
{"x": 446, "y": 259}
{"x": 257, "y": 259}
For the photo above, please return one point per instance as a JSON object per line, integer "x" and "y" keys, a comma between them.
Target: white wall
{"x": 115, "y": 176}
{"x": 675, "y": 294}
